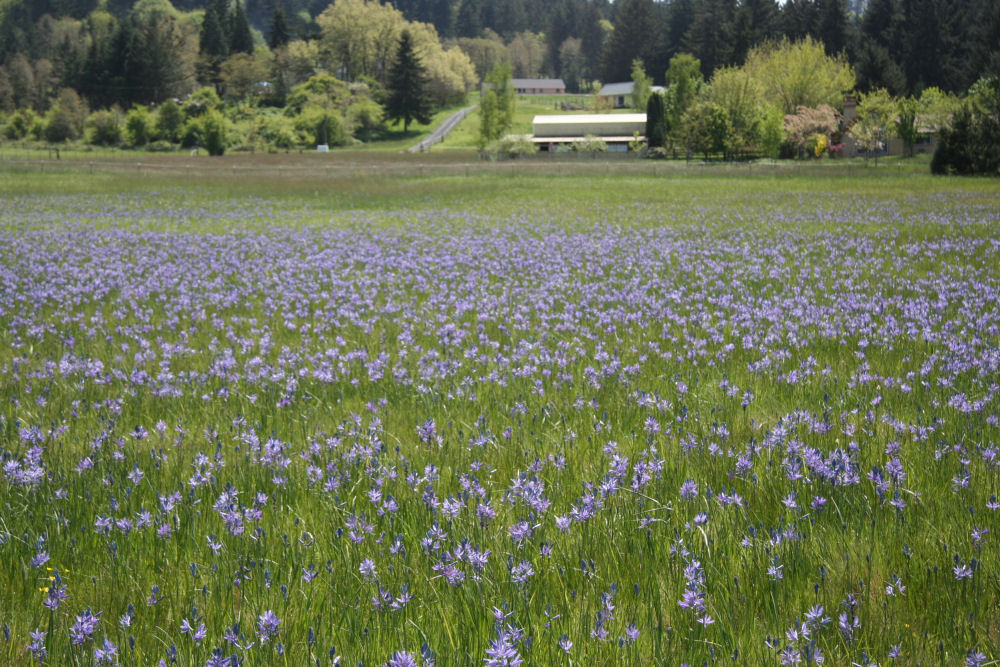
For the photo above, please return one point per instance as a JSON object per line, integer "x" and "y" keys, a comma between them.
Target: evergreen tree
{"x": 408, "y": 99}
{"x": 636, "y": 25}
{"x": 680, "y": 16}
{"x": 799, "y": 19}
{"x": 710, "y": 36}
{"x": 656, "y": 121}
{"x": 279, "y": 35}
{"x": 240, "y": 37}
{"x": 213, "y": 40}
{"x": 469, "y": 18}
{"x": 756, "y": 22}
{"x": 833, "y": 28}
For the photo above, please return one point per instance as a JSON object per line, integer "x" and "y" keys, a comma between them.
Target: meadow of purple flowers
{"x": 734, "y": 431}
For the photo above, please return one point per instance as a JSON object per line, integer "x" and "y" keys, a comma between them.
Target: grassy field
{"x": 473, "y": 416}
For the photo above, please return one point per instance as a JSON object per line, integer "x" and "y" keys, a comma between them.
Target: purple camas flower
{"x": 56, "y": 594}
{"x": 402, "y": 659}
{"x": 367, "y": 569}
{"x": 267, "y": 626}
{"x": 37, "y": 645}
{"x": 975, "y": 659}
{"x": 106, "y": 653}
{"x": 501, "y": 653}
{"x": 84, "y": 627}
{"x": 198, "y": 633}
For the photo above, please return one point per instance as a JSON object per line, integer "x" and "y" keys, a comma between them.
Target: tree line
{"x": 903, "y": 46}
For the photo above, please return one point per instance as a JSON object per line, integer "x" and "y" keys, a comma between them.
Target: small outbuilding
{"x": 620, "y": 94}
{"x": 538, "y": 86}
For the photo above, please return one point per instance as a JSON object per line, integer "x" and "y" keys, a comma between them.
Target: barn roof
{"x": 538, "y": 83}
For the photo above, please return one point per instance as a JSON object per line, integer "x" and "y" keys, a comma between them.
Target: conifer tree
{"x": 240, "y": 38}
{"x": 279, "y": 29}
{"x": 408, "y": 98}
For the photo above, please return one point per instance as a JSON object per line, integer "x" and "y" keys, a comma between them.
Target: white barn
{"x": 615, "y": 129}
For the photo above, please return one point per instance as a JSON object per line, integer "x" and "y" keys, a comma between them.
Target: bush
{"x": 201, "y": 102}
{"x": 279, "y": 131}
{"x": 138, "y": 126}
{"x": 972, "y": 144}
{"x": 65, "y": 120}
{"x": 320, "y": 126}
{"x": 658, "y": 153}
{"x": 590, "y": 144}
{"x": 515, "y": 146}
{"x": 169, "y": 121}
{"x": 214, "y": 133}
{"x": 160, "y": 146}
{"x": 19, "y": 125}
{"x": 191, "y": 133}
{"x": 103, "y": 129}
{"x": 365, "y": 117}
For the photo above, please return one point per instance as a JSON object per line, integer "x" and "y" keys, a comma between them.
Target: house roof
{"x": 589, "y": 118}
{"x": 624, "y": 88}
{"x": 538, "y": 83}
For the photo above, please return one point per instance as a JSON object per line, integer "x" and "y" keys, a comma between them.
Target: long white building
{"x": 615, "y": 129}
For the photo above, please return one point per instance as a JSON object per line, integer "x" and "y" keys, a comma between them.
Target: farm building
{"x": 616, "y": 130}
{"x": 538, "y": 86}
{"x": 620, "y": 94}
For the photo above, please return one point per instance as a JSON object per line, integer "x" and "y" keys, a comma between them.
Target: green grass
{"x": 560, "y": 267}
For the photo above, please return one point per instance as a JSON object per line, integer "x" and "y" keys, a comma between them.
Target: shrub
{"x": 214, "y": 133}
{"x": 169, "y": 121}
{"x": 515, "y": 146}
{"x": 590, "y": 144}
{"x": 19, "y": 125}
{"x": 160, "y": 146}
{"x": 65, "y": 120}
{"x": 103, "y": 129}
{"x": 191, "y": 133}
{"x": 138, "y": 126}
{"x": 278, "y": 131}
{"x": 318, "y": 125}
{"x": 366, "y": 118}
{"x": 201, "y": 102}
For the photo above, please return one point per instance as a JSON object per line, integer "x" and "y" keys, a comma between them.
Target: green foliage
{"x": 365, "y": 117}
{"x": 514, "y": 146}
{"x": 169, "y": 120}
{"x": 972, "y": 144}
{"x": 279, "y": 131}
{"x": 906, "y": 122}
{"x": 201, "y": 101}
{"x": 278, "y": 35}
{"x": 214, "y": 135}
{"x": 65, "y": 120}
{"x": 104, "y": 129}
{"x": 322, "y": 89}
{"x": 656, "y": 121}
{"x": 139, "y": 126}
{"x": 319, "y": 125}
{"x": 684, "y": 81}
{"x": 706, "y": 129}
{"x": 800, "y": 74}
{"x": 590, "y": 145}
{"x": 876, "y": 115}
{"x": 192, "y": 133}
{"x": 19, "y": 124}
{"x": 642, "y": 85}
{"x": 407, "y": 98}
{"x": 496, "y": 106}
